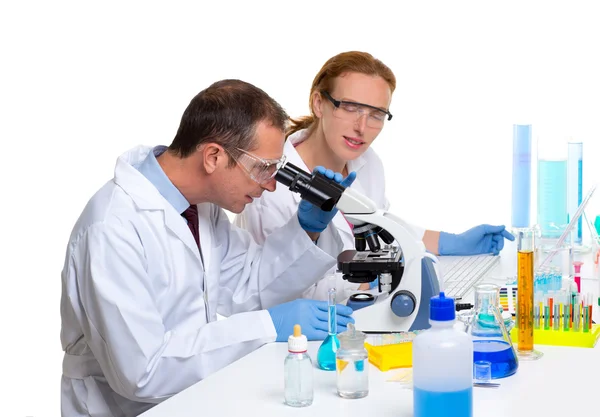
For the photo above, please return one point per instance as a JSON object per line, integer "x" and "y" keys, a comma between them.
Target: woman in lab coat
{"x": 349, "y": 102}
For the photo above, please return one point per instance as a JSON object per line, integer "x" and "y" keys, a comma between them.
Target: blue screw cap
{"x": 441, "y": 308}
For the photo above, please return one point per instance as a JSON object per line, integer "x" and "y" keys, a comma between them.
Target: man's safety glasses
{"x": 259, "y": 169}
{"x": 349, "y": 110}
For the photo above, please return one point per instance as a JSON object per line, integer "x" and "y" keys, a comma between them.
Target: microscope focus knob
{"x": 403, "y": 303}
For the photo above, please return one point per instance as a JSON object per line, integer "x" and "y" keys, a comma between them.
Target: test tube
{"x": 574, "y": 186}
{"x": 576, "y": 314}
{"x": 567, "y": 313}
{"x": 525, "y": 294}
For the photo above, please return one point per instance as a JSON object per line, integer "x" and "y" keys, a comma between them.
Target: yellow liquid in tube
{"x": 525, "y": 300}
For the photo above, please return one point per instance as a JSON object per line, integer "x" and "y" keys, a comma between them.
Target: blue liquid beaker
{"x": 329, "y": 347}
{"x": 500, "y": 354}
{"x": 491, "y": 340}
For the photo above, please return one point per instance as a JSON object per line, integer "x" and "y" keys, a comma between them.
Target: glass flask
{"x": 352, "y": 364}
{"x": 487, "y": 327}
{"x": 327, "y": 350}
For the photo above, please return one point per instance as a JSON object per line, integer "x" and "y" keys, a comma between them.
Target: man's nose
{"x": 270, "y": 185}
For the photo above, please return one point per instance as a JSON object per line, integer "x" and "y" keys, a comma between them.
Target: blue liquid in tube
{"x": 521, "y": 176}
{"x": 326, "y": 356}
{"x": 574, "y": 186}
{"x": 552, "y": 197}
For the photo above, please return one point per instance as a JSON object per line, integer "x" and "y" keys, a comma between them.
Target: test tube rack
{"x": 562, "y": 338}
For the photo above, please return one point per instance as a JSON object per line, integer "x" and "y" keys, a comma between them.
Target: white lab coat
{"x": 274, "y": 209}
{"x": 139, "y": 303}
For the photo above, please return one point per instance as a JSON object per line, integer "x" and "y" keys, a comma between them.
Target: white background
{"x": 81, "y": 83}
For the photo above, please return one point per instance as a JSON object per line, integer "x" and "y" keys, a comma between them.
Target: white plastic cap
{"x": 297, "y": 342}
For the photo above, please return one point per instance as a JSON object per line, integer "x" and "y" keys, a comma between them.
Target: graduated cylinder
{"x": 525, "y": 283}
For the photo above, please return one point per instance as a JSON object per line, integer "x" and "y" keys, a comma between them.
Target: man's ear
{"x": 317, "y": 103}
{"x": 212, "y": 156}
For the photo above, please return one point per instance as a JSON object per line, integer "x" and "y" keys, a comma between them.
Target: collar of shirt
{"x": 151, "y": 169}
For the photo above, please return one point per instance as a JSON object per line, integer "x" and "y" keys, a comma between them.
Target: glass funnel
{"x": 329, "y": 347}
{"x": 487, "y": 327}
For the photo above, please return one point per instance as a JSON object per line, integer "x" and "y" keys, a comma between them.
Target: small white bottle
{"x": 442, "y": 365}
{"x": 298, "y": 370}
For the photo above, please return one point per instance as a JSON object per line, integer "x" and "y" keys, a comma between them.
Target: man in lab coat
{"x": 153, "y": 258}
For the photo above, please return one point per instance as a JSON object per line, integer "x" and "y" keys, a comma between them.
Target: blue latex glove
{"x": 311, "y": 315}
{"x": 374, "y": 284}
{"x": 478, "y": 240}
{"x": 312, "y": 218}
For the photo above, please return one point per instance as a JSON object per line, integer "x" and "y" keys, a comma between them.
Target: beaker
{"x": 352, "y": 364}
{"x": 327, "y": 350}
{"x": 491, "y": 340}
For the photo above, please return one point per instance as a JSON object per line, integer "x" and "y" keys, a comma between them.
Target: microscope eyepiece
{"x": 315, "y": 188}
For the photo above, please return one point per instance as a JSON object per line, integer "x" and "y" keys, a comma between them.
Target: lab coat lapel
{"x": 146, "y": 196}
{"x": 177, "y": 224}
{"x": 206, "y": 237}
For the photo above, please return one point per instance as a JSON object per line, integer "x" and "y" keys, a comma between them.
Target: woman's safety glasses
{"x": 349, "y": 110}
{"x": 259, "y": 169}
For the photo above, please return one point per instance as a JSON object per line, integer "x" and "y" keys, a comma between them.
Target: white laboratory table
{"x": 563, "y": 382}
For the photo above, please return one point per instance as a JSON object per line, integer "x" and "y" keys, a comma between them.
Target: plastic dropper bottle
{"x": 442, "y": 365}
{"x": 298, "y": 371}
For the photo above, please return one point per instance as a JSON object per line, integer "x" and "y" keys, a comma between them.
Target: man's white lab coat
{"x": 139, "y": 302}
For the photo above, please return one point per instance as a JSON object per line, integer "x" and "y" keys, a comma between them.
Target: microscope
{"x": 407, "y": 276}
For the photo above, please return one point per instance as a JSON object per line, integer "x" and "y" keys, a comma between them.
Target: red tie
{"x": 191, "y": 215}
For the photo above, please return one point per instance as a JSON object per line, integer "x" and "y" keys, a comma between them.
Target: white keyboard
{"x": 460, "y": 273}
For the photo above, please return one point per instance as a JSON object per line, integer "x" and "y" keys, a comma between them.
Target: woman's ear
{"x": 317, "y": 104}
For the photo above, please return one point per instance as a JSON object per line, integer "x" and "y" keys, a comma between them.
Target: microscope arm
{"x": 359, "y": 209}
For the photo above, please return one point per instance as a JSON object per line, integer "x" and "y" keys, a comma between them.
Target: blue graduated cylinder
{"x": 521, "y": 176}
{"x": 552, "y": 197}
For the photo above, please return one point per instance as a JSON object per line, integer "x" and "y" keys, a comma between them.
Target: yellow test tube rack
{"x": 392, "y": 356}
{"x": 563, "y": 338}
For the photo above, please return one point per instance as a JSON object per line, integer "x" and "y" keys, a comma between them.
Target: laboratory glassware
{"x": 575, "y": 187}
{"x": 525, "y": 293}
{"x": 551, "y": 187}
{"x": 352, "y": 364}
{"x": 327, "y": 350}
{"x": 521, "y": 176}
{"x": 491, "y": 339}
{"x": 298, "y": 371}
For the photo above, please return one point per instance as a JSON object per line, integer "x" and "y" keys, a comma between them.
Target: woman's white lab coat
{"x": 274, "y": 209}
{"x": 139, "y": 303}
